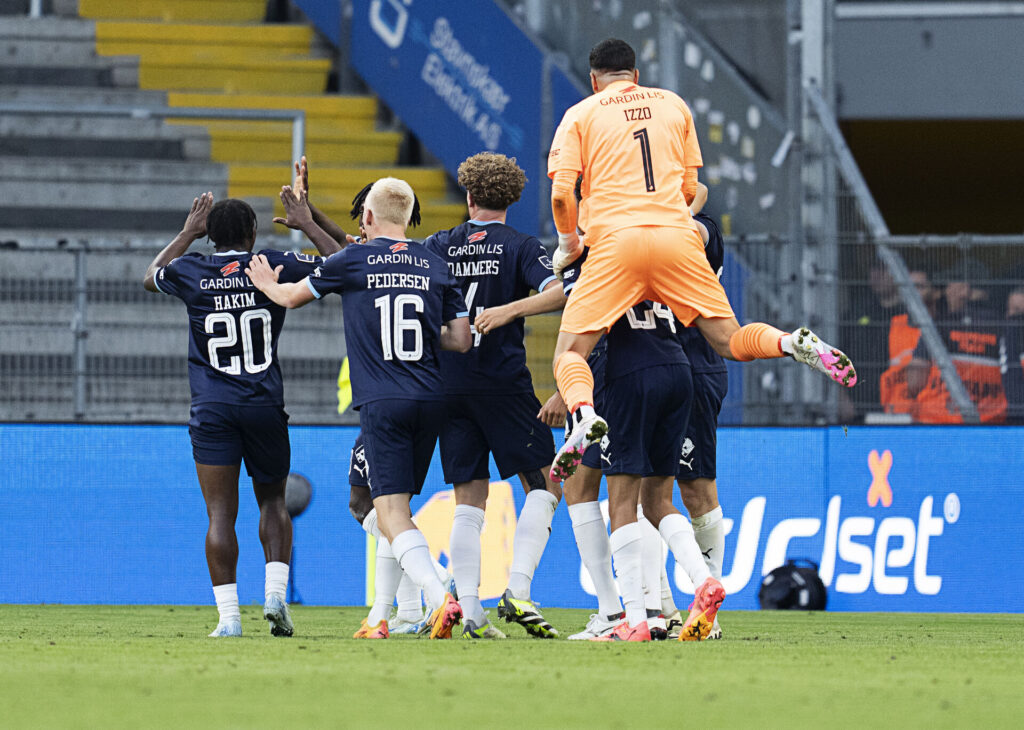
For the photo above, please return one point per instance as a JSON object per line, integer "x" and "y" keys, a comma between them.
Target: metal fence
{"x": 81, "y": 340}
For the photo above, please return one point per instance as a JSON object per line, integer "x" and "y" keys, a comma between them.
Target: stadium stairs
{"x": 112, "y": 180}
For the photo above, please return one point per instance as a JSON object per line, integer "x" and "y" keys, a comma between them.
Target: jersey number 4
{"x": 258, "y": 319}
{"x": 393, "y": 331}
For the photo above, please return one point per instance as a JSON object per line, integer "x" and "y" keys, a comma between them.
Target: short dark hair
{"x": 612, "y": 54}
{"x": 231, "y": 222}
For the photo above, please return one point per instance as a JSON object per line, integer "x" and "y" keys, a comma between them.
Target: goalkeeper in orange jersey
{"x": 636, "y": 149}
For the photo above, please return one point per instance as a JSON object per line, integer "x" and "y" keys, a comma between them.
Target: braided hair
{"x": 231, "y": 223}
{"x": 357, "y": 207}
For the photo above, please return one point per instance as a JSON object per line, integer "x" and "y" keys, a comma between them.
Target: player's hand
{"x": 301, "y": 182}
{"x": 296, "y": 208}
{"x": 195, "y": 223}
{"x": 492, "y": 318}
{"x": 570, "y": 248}
{"x": 349, "y": 238}
{"x": 260, "y": 273}
{"x": 553, "y": 412}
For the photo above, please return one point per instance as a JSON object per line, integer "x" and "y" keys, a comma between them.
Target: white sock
{"x": 654, "y": 563}
{"x": 413, "y": 554}
{"x": 464, "y": 549}
{"x": 442, "y": 572}
{"x": 710, "y": 535}
{"x": 627, "y": 553}
{"x": 276, "y": 582}
{"x": 410, "y": 600}
{"x": 385, "y": 583}
{"x": 531, "y": 538}
{"x": 226, "y": 596}
{"x": 786, "y": 344}
{"x": 668, "y": 601}
{"x": 596, "y": 553}
{"x": 370, "y": 523}
{"x": 678, "y": 533}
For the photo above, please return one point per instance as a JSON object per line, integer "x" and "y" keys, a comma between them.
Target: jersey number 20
{"x": 394, "y": 329}
{"x": 259, "y": 318}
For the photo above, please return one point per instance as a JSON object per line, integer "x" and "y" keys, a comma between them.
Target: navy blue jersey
{"x": 395, "y": 296}
{"x": 233, "y": 327}
{"x": 493, "y": 265}
{"x": 703, "y": 357}
{"x": 647, "y": 335}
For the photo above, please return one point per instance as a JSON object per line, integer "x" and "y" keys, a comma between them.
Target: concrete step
{"x": 337, "y": 108}
{"x": 79, "y": 96}
{"x": 177, "y": 10}
{"x": 197, "y": 175}
{"x": 69, "y": 136}
{"x": 48, "y": 28}
{"x": 211, "y": 71}
{"x": 114, "y": 71}
{"x": 273, "y": 144}
{"x": 140, "y": 38}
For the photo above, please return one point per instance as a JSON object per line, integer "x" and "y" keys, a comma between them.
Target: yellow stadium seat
{"x": 214, "y": 10}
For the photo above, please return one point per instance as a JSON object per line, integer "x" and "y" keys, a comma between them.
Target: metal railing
{"x": 81, "y": 340}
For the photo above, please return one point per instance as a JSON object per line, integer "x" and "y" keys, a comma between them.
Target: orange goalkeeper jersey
{"x": 632, "y": 144}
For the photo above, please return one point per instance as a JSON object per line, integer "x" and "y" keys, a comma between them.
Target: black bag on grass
{"x": 795, "y": 585}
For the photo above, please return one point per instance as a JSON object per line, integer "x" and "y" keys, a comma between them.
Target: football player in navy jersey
{"x": 697, "y": 460}
{"x": 237, "y": 395}
{"x": 401, "y": 307}
{"x": 492, "y": 409}
{"x": 647, "y": 395}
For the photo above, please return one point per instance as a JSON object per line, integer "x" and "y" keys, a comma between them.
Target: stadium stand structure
{"x": 115, "y": 184}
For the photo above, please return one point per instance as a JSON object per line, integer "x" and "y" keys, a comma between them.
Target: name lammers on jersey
{"x": 234, "y": 301}
{"x": 487, "y": 267}
{"x": 397, "y": 281}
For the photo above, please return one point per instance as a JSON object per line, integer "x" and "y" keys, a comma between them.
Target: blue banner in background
{"x": 464, "y": 78}
{"x": 899, "y": 519}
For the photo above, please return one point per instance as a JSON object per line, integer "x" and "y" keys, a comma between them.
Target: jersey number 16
{"x": 393, "y": 330}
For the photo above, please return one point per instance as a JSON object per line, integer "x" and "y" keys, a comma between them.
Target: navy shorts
{"x": 647, "y": 411}
{"x": 697, "y": 458}
{"x": 358, "y": 468}
{"x": 224, "y": 434}
{"x": 399, "y": 437}
{"x": 596, "y": 361}
{"x": 503, "y": 425}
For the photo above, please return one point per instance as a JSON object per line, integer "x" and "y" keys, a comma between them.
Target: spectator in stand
{"x": 1012, "y": 360}
{"x": 971, "y": 330}
{"x": 868, "y": 318}
{"x": 904, "y": 338}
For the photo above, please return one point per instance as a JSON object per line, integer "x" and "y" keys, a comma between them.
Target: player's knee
{"x": 533, "y": 480}
{"x": 359, "y": 504}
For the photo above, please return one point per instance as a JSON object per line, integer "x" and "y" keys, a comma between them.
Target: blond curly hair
{"x": 494, "y": 181}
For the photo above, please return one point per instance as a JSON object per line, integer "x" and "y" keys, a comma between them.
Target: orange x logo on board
{"x": 880, "y": 489}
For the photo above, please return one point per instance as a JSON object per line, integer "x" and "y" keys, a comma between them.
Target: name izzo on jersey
{"x": 234, "y": 301}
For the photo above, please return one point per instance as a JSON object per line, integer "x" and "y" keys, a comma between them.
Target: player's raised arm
{"x": 195, "y": 227}
{"x": 456, "y": 335}
{"x": 298, "y": 216}
{"x": 264, "y": 278}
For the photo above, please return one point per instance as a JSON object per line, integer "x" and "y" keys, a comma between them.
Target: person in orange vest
{"x": 904, "y": 337}
{"x": 972, "y": 331}
{"x": 1013, "y": 356}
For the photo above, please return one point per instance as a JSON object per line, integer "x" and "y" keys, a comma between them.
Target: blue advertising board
{"x": 464, "y": 78}
{"x": 899, "y": 518}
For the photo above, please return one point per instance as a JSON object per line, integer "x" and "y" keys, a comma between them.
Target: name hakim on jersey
{"x": 646, "y": 336}
{"x": 233, "y": 327}
{"x": 493, "y": 265}
{"x": 703, "y": 357}
{"x": 395, "y": 296}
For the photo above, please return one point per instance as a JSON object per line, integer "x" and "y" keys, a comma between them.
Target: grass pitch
{"x": 152, "y": 666}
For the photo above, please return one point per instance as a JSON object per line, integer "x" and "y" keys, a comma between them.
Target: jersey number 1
{"x": 645, "y": 155}
{"x": 392, "y": 331}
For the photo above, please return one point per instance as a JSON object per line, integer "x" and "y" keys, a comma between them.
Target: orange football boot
{"x": 706, "y": 602}
{"x": 623, "y": 632}
{"x": 444, "y": 618}
{"x": 380, "y": 631}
